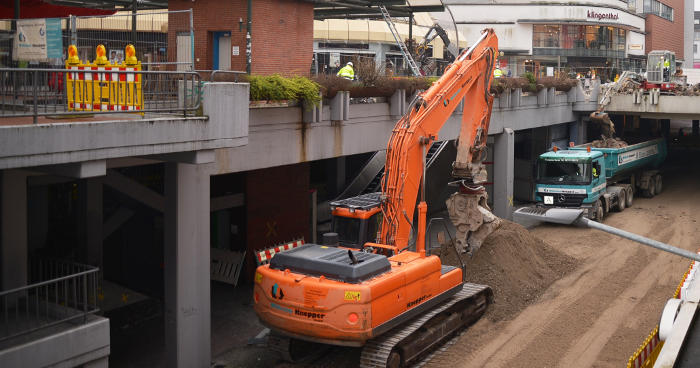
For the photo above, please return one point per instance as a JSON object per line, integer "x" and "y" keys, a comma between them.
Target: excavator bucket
{"x": 602, "y": 118}
{"x": 471, "y": 217}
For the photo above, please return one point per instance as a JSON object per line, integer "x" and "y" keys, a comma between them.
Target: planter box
{"x": 278, "y": 103}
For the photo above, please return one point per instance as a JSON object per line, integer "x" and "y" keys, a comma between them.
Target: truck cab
{"x": 570, "y": 178}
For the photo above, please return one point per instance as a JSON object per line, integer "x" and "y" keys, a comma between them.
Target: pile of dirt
{"x": 607, "y": 142}
{"x": 518, "y": 266}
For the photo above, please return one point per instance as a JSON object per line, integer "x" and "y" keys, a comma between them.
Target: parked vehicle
{"x": 599, "y": 180}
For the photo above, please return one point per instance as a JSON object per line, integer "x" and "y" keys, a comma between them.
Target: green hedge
{"x": 276, "y": 87}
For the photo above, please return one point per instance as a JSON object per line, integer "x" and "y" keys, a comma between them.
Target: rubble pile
{"x": 608, "y": 142}
{"x": 687, "y": 90}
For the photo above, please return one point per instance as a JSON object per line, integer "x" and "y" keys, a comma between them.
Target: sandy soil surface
{"x": 566, "y": 297}
{"x": 601, "y": 311}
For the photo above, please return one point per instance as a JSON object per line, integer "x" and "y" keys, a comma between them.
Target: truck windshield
{"x": 561, "y": 172}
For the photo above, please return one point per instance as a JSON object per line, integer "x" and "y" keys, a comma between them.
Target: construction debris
{"x": 608, "y": 142}
{"x": 606, "y": 125}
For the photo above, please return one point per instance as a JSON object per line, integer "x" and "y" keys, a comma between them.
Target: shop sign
{"x": 592, "y": 14}
{"x": 38, "y": 39}
{"x": 635, "y": 47}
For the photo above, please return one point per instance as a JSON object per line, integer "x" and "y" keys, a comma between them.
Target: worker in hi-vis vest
{"x": 347, "y": 72}
{"x": 667, "y": 68}
{"x": 497, "y": 73}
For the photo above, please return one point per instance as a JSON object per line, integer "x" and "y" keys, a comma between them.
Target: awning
{"x": 369, "y": 9}
{"x": 64, "y": 8}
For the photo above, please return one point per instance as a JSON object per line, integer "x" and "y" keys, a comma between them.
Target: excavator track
{"x": 406, "y": 344}
{"x": 294, "y": 350}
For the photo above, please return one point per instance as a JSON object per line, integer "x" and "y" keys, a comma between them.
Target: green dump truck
{"x": 599, "y": 180}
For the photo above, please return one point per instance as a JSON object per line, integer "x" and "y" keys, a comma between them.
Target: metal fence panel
{"x": 43, "y": 92}
{"x": 147, "y": 31}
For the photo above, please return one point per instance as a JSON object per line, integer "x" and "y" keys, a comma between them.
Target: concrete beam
{"x": 192, "y": 157}
{"x": 80, "y": 345}
{"x": 113, "y": 223}
{"x": 227, "y": 201}
{"x": 187, "y": 263}
{"x": 503, "y": 177}
{"x": 226, "y": 125}
{"x": 135, "y": 190}
{"x": 77, "y": 170}
{"x": 13, "y": 229}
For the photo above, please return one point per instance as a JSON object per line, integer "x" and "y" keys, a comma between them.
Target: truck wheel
{"x": 651, "y": 190}
{"x": 630, "y": 197}
{"x": 599, "y": 211}
{"x": 658, "y": 184}
{"x": 621, "y": 200}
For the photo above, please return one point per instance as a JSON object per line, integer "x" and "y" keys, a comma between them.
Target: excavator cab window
{"x": 374, "y": 225}
{"x": 348, "y": 230}
{"x": 355, "y": 232}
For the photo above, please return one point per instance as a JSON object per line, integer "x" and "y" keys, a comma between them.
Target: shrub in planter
{"x": 278, "y": 88}
{"x": 559, "y": 83}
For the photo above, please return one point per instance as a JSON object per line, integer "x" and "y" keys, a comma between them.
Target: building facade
{"x": 281, "y": 35}
{"x": 696, "y": 40}
{"x": 607, "y": 36}
{"x": 337, "y": 41}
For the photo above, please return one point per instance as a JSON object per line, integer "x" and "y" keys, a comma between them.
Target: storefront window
{"x": 546, "y": 36}
{"x": 579, "y": 37}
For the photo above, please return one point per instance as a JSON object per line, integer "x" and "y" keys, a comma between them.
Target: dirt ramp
{"x": 518, "y": 266}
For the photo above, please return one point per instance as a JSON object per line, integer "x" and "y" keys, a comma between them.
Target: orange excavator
{"x": 371, "y": 283}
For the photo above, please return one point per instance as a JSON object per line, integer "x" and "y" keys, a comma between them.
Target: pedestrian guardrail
{"x": 62, "y": 292}
{"x": 44, "y": 92}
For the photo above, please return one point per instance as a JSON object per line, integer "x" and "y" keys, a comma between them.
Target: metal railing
{"x": 43, "y": 92}
{"x": 222, "y": 75}
{"x": 61, "y": 292}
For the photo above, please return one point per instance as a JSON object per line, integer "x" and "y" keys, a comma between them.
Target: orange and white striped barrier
{"x": 264, "y": 256}
{"x": 96, "y": 87}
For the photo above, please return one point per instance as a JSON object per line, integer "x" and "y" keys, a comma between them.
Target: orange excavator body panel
{"x": 321, "y": 310}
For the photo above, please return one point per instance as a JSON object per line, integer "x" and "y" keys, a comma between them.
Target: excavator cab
{"x": 661, "y": 67}
{"x": 357, "y": 220}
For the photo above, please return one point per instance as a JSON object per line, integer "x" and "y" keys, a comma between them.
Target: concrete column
{"x": 13, "y": 229}
{"x": 186, "y": 255}
{"x": 577, "y": 131}
{"x": 696, "y": 128}
{"x": 503, "y": 157}
{"x": 92, "y": 202}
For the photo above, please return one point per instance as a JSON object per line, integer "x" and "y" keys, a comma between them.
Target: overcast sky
{"x": 697, "y": 5}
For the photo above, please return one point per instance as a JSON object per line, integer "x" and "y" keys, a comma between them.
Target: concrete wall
{"x": 65, "y": 345}
{"x": 277, "y": 136}
{"x": 278, "y": 207}
{"x": 680, "y": 107}
{"x": 49, "y": 144}
{"x": 663, "y": 34}
{"x": 282, "y": 33}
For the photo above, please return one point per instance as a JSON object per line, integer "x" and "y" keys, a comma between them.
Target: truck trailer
{"x": 598, "y": 180}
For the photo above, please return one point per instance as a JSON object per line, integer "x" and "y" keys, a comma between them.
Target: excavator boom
{"x": 469, "y": 79}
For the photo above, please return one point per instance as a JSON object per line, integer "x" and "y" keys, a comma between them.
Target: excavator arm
{"x": 468, "y": 78}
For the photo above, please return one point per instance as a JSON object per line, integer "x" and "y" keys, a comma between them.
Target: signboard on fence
{"x": 38, "y": 39}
